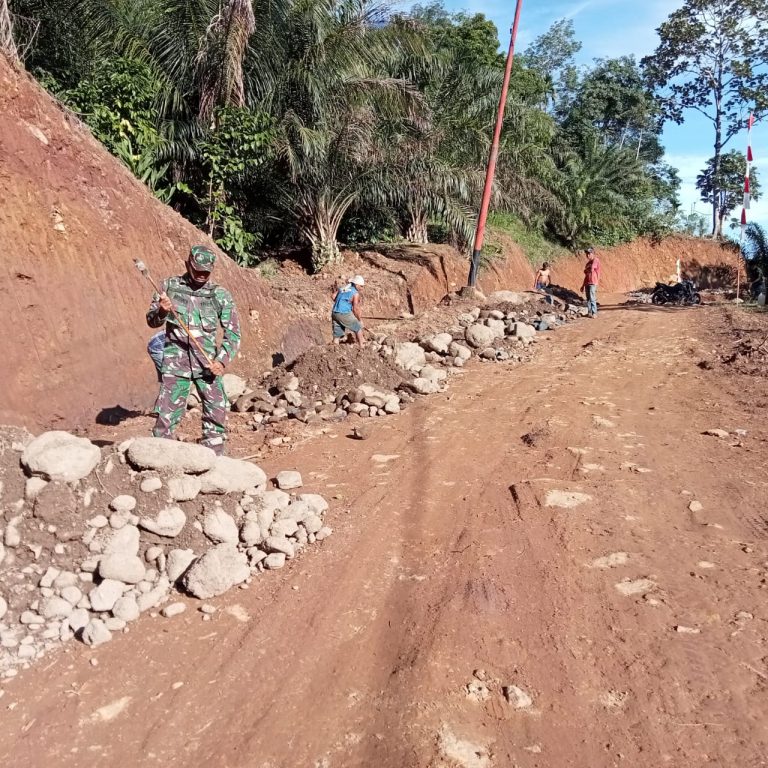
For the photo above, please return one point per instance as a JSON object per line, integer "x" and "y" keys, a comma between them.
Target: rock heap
{"x": 502, "y": 331}
{"x": 89, "y": 542}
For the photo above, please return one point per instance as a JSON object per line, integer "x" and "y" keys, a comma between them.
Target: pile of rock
{"x": 502, "y": 331}
{"x": 193, "y": 522}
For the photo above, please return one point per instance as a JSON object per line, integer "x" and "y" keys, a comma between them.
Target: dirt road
{"x": 460, "y": 547}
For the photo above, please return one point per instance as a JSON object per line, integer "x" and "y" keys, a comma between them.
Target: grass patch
{"x": 535, "y": 246}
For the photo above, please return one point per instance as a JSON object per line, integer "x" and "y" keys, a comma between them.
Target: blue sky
{"x": 610, "y": 28}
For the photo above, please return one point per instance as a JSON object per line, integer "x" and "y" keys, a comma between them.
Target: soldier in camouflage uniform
{"x": 203, "y": 306}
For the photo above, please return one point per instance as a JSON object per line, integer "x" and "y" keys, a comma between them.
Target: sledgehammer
{"x": 142, "y": 267}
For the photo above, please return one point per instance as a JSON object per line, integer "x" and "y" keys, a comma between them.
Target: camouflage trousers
{"x": 172, "y": 405}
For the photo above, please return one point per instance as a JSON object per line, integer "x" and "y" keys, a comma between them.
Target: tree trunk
{"x": 417, "y": 229}
{"x": 7, "y": 44}
{"x": 718, "y": 99}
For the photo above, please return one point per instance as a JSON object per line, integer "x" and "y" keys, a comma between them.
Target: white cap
{"x": 357, "y": 280}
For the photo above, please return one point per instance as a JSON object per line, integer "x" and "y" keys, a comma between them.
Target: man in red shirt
{"x": 591, "y": 280}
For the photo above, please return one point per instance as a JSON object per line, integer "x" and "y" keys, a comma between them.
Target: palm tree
{"x": 326, "y": 82}
{"x": 594, "y": 189}
{"x": 756, "y": 252}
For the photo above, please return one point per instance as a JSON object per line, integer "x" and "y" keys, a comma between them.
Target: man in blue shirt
{"x": 346, "y": 315}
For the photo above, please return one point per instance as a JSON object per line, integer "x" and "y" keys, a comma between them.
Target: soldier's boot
{"x": 215, "y": 403}
{"x": 171, "y": 405}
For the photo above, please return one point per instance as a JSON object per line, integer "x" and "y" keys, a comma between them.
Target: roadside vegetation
{"x": 312, "y": 123}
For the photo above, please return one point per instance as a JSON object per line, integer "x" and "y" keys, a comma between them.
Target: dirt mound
{"x": 333, "y": 368}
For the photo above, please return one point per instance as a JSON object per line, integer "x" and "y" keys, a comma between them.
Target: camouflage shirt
{"x": 203, "y": 310}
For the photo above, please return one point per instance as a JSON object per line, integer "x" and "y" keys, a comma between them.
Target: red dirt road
{"x": 446, "y": 559}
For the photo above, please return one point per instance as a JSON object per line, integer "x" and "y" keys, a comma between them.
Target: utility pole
{"x": 482, "y": 219}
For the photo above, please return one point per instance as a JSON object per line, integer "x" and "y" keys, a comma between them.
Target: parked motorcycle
{"x": 683, "y": 293}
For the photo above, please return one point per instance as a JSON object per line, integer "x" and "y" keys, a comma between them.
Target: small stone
{"x": 12, "y": 537}
{"x": 100, "y": 521}
{"x": 106, "y": 594}
{"x": 169, "y": 522}
{"x": 174, "y": 609}
{"x": 124, "y": 541}
{"x": 114, "y": 624}
{"x": 184, "y": 488}
{"x": 274, "y": 561}
{"x": 323, "y": 533}
{"x": 744, "y": 616}
{"x": 3, "y": 607}
{"x": 123, "y": 503}
{"x": 65, "y": 579}
{"x": 30, "y": 618}
{"x": 636, "y": 587}
{"x": 78, "y": 619}
{"x": 55, "y": 608}
{"x": 49, "y": 577}
{"x": 695, "y": 506}
{"x": 72, "y": 595}
{"x": 153, "y": 553}
{"x": 178, "y": 563}
{"x": 126, "y": 568}
{"x": 517, "y": 697}
{"x": 721, "y": 433}
{"x": 33, "y": 487}
{"x": 286, "y": 527}
{"x": 687, "y": 630}
{"x": 281, "y": 545}
{"x": 220, "y": 527}
{"x": 126, "y": 608}
{"x": 96, "y": 633}
{"x": 208, "y": 609}
{"x": 288, "y": 480}
{"x": 217, "y": 570}
{"x": 151, "y": 484}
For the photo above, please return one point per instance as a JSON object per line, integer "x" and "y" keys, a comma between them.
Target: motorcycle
{"x": 683, "y": 293}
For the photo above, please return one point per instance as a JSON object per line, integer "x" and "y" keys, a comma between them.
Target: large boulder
{"x": 424, "y": 386}
{"x": 438, "y": 343}
{"x": 460, "y": 351}
{"x": 234, "y": 386}
{"x": 523, "y": 331}
{"x": 218, "y": 570}
{"x": 480, "y": 336}
{"x": 232, "y": 476}
{"x": 170, "y": 455}
{"x": 410, "y": 356}
{"x": 499, "y": 327}
{"x": 61, "y": 456}
{"x": 507, "y": 297}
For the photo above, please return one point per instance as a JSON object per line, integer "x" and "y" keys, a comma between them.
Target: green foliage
{"x": 536, "y": 246}
{"x": 728, "y": 182}
{"x": 284, "y": 122}
{"x": 756, "y": 252}
{"x": 711, "y": 59}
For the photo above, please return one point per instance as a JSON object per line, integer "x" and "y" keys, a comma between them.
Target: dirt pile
{"x": 331, "y": 368}
{"x": 91, "y": 539}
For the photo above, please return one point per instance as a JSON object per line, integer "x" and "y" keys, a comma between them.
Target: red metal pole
{"x": 491, "y": 172}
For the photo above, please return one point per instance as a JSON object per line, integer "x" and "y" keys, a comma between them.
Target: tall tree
{"x": 7, "y": 43}
{"x": 711, "y": 59}
{"x": 727, "y": 182}
{"x": 552, "y": 55}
